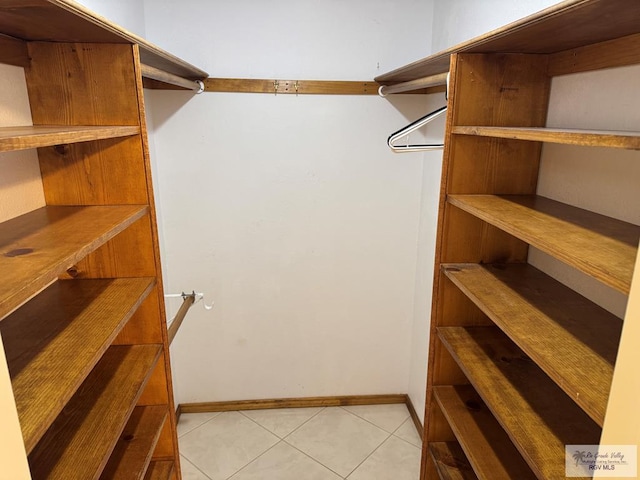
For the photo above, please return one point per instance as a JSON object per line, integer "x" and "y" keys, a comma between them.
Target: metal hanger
{"x": 403, "y": 132}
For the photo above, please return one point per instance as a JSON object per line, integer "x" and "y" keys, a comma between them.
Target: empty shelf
{"x": 79, "y": 442}
{"x": 590, "y": 138}
{"x": 450, "y": 461}
{"x": 20, "y": 138}
{"x": 486, "y": 445}
{"x": 38, "y": 246}
{"x": 131, "y": 457}
{"x": 538, "y": 415}
{"x": 53, "y": 342}
{"x": 599, "y": 246}
{"x": 159, "y": 470}
{"x": 572, "y": 339}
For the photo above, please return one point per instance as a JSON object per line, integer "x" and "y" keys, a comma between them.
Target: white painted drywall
{"x": 20, "y": 181}
{"x": 290, "y": 211}
{"x": 598, "y": 179}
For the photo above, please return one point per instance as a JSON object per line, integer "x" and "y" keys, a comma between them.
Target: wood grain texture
{"x": 20, "y": 138}
{"x": 415, "y": 418}
{"x": 103, "y": 172}
{"x": 337, "y": 401}
{"x": 302, "y": 87}
{"x": 486, "y": 445}
{"x": 130, "y": 254}
{"x": 13, "y": 51}
{"x": 450, "y": 462}
{"x": 610, "y": 54}
{"x": 168, "y": 78}
{"x": 177, "y": 320}
{"x": 68, "y": 21}
{"x": 496, "y": 90}
{"x": 54, "y": 341}
{"x": 540, "y": 418}
{"x": 567, "y": 25}
{"x": 38, "y": 246}
{"x": 484, "y": 90}
{"x": 572, "y": 339}
{"x": 132, "y": 454}
{"x": 589, "y": 138}
{"x": 67, "y": 84}
{"x": 81, "y": 439}
{"x": 168, "y": 442}
{"x": 159, "y": 470}
{"x": 599, "y": 246}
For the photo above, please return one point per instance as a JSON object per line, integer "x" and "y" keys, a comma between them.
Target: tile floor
{"x": 373, "y": 442}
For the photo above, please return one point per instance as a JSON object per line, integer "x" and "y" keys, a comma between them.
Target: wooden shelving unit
{"x": 485, "y": 443}
{"x": 450, "y": 461}
{"x": 132, "y": 454}
{"x": 519, "y": 364}
{"x": 50, "y": 352}
{"x": 81, "y": 302}
{"x": 159, "y": 471}
{"x": 573, "y": 340}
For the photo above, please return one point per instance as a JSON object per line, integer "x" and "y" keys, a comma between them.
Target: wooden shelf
{"x": 538, "y": 415}
{"x": 450, "y": 462}
{"x": 546, "y": 31}
{"x": 599, "y": 246}
{"x": 79, "y": 442}
{"x": 67, "y": 21}
{"x": 159, "y": 470}
{"x": 589, "y": 138}
{"x": 38, "y": 246}
{"x": 54, "y": 341}
{"x": 20, "y": 138}
{"x": 485, "y": 444}
{"x": 131, "y": 457}
{"x": 572, "y": 339}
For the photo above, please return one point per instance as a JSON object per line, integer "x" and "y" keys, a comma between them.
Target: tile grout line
{"x": 313, "y": 459}
{"x": 368, "y": 456}
{"x": 400, "y": 438}
{"x": 370, "y": 422}
{"x": 253, "y": 460}
{"x": 273, "y": 433}
{"x": 197, "y": 426}
{"x": 194, "y": 466}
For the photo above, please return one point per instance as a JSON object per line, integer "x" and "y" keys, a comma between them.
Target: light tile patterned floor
{"x": 373, "y": 442}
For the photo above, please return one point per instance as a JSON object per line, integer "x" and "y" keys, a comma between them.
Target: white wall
{"x": 20, "y": 182}
{"x": 598, "y": 179}
{"x": 290, "y": 211}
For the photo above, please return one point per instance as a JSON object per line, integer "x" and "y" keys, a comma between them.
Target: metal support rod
{"x": 166, "y": 77}
{"x": 189, "y": 300}
{"x": 431, "y": 81}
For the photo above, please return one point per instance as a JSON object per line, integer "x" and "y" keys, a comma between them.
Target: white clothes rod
{"x": 166, "y": 77}
{"x": 430, "y": 81}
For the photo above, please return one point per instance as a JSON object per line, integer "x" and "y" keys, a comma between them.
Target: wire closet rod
{"x": 425, "y": 82}
{"x": 166, "y": 77}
